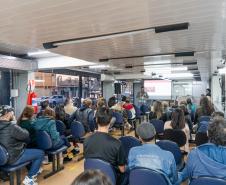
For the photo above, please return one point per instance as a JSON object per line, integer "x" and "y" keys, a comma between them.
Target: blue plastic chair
{"x": 60, "y": 127}
{"x": 145, "y": 111}
{"x": 207, "y": 181}
{"x": 144, "y": 176}
{"x": 78, "y": 131}
{"x": 203, "y": 126}
{"x": 11, "y": 169}
{"x": 204, "y": 118}
{"x": 129, "y": 142}
{"x": 44, "y": 142}
{"x": 159, "y": 125}
{"x": 175, "y": 150}
{"x": 101, "y": 165}
{"x": 119, "y": 123}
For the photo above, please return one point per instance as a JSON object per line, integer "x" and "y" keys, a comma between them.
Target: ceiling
{"x": 29, "y": 24}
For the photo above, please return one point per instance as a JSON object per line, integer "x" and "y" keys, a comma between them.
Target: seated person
{"x": 47, "y": 123}
{"x": 26, "y": 121}
{"x": 44, "y": 105}
{"x": 150, "y": 155}
{"x": 103, "y": 146}
{"x": 92, "y": 177}
{"x": 85, "y": 115}
{"x": 178, "y": 122}
{"x": 217, "y": 114}
{"x": 157, "y": 112}
{"x": 69, "y": 107}
{"x": 205, "y": 109}
{"x": 208, "y": 159}
{"x": 14, "y": 138}
{"x": 128, "y": 106}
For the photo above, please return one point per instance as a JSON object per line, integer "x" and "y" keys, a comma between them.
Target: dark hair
{"x": 205, "y": 106}
{"x": 60, "y": 113}
{"x": 103, "y": 116}
{"x": 217, "y": 131}
{"x": 67, "y": 101}
{"x": 92, "y": 177}
{"x": 189, "y": 102}
{"x": 124, "y": 98}
{"x": 184, "y": 109}
{"x": 28, "y": 112}
{"x": 178, "y": 120}
{"x": 111, "y": 101}
{"x": 208, "y": 90}
{"x": 44, "y": 104}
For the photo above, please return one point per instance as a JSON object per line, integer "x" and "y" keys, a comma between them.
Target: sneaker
{"x": 40, "y": 171}
{"x": 29, "y": 181}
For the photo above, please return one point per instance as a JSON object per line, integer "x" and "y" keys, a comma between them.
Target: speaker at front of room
{"x": 117, "y": 88}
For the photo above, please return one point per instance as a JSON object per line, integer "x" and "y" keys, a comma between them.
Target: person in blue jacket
{"x": 208, "y": 159}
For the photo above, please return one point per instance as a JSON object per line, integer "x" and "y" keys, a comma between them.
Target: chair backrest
{"x": 101, "y": 165}
{"x": 4, "y": 156}
{"x": 204, "y": 118}
{"x": 203, "y": 126}
{"x": 144, "y": 109}
{"x": 118, "y": 116}
{"x": 175, "y": 135}
{"x": 208, "y": 181}
{"x": 77, "y": 130}
{"x": 137, "y": 110}
{"x": 129, "y": 142}
{"x": 60, "y": 127}
{"x": 173, "y": 148}
{"x": 143, "y": 176}
{"x": 159, "y": 125}
{"x": 201, "y": 138}
{"x": 129, "y": 114}
{"x": 43, "y": 140}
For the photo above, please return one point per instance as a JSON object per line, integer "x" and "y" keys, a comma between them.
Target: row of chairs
{"x": 145, "y": 176}
{"x": 44, "y": 142}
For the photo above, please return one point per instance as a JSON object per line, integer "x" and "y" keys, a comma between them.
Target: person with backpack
{"x": 85, "y": 115}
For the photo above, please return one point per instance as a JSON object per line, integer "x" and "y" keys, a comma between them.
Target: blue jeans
{"x": 36, "y": 157}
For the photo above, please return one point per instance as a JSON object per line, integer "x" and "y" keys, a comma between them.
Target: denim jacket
{"x": 205, "y": 160}
{"x": 153, "y": 157}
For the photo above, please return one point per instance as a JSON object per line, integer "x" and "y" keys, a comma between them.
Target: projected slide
{"x": 158, "y": 89}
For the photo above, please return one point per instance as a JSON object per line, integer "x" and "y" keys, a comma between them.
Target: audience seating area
{"x": 167, "y": 139}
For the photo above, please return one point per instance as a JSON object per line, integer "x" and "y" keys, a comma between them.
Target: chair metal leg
{"x": 11, "y": 178}
{"x": 55, "y": 164}
{"x": 18, "y": 177}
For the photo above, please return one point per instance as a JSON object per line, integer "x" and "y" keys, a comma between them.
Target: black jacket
{"x": 13, "y": 138}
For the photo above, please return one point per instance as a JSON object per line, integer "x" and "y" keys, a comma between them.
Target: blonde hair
{"x": 48, "y": 112}
{"x": 157, "y": 109}
{"x": 87, "y": 102}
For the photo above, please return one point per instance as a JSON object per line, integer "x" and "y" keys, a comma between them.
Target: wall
{"x": 5, "y": 88}
{"x": 217, "y": 93}
{"x": 20, "y": 83}
{"x": 108, "y": 89}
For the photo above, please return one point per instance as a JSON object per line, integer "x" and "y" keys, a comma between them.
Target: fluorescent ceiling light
{"x": 38, "y": 53}
{"x": 158, "y": 62}
{"x": 99, "y": 66}
{"x": 178, "y": 75}
{"x": 61, "y": 62}
{"x": 157, "y": 29}
{"x": 40, "y": 81}
{"x": 180, "y": 68}
{"x": 9, "y": 57}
